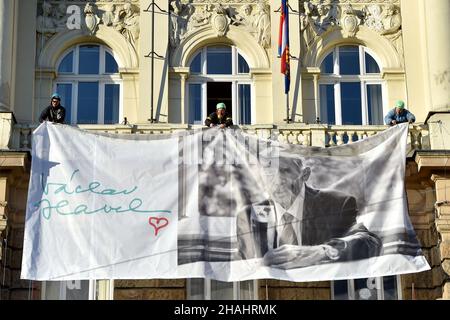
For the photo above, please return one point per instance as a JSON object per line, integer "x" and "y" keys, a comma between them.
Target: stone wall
{"x": 156, "y": 289}
{"x": 286, "y": 290}
{"x": 15, "y": 188}
{"x": 421, "y": 201}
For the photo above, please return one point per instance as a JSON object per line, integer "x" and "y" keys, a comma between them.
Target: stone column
{"x": 184, "y": 118}
{"x": 6, "y": 53}
{"x": 436, "y": 13}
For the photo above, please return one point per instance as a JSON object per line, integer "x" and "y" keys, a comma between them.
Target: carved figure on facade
{"x": 46, "y": 26}
{"x": 306, "y": 30}
{"x": 387, "y": 22}
{"x": 179, "y": 17}
{"x": 349, "y": 21}
{"x": 91, "y": 20}
{"x": 392, "y": 23}
{"x": 315, "y": 19}
{"x": 185, "y": 18}
{"x": 45, "y": 23}
{"x": 262, "y": 23}
{"x": 244, "y": 18}
{"x": 126, "y": 22}
{"x": 108, "y": 16}
{"x": 373, "y": 17}
{"x": 392, "y": 20}
{"x": 60, "y": 16}
{"x": 200, "y": 17}
{"x": 326, "y": 17}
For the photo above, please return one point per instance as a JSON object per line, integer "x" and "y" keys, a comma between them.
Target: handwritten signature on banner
{"x": 65, "y": 208}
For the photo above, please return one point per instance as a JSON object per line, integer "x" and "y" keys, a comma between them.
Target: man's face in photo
{"x": 286, "y": 181}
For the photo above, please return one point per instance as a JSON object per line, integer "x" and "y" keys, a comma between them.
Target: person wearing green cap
{"x": 398, "y": 115}
{"x": 55, "y": 112}
{"x": 219, "y": 118}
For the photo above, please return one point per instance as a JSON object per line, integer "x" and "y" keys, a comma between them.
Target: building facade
{"x": 142, "y": 66}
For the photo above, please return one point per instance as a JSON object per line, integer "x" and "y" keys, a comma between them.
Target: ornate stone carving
{"x": 244, "y": 17}
{"x": 122, "y": 15}
{"x": 108, "y": 16}
{"x": 60, "y": 16}
{"x": 179, "y": 17}
{"x": 126, "y": 21}
{"x": 91, "y": 20}
{"x": 315, "y": 19}
{"x": 227, "y": 1}
{"x": 45, "y": 26}
{"x": 382, "y": 16}
{"x": 349, "y": 21}
{"x": 262, "y": 23}
{"x": 187, "y": 17}
{"x": 386, "y": 21}
{"x": 220, "y": 20}
{"x": 373, "y": 17}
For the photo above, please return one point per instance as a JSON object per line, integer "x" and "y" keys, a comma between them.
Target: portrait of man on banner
{"x": 298, "y": 225}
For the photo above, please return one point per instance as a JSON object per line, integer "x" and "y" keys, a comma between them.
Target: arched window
{"x": 89, "y": 84}
{"x": 350, "y": 87}
{"x": 219, "y": 74}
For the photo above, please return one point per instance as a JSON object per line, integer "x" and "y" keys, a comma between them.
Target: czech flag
{"x": 283, "y": 45}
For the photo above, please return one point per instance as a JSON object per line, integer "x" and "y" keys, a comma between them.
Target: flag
{"x": 283, "y": 45}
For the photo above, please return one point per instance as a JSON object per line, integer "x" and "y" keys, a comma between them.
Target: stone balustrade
{"x": 301, "y": 134}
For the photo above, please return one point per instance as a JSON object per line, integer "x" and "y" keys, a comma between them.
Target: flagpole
{"x": 287, "y": 107}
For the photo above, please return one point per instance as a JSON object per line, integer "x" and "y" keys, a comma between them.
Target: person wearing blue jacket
{"x": 398, "y": 115}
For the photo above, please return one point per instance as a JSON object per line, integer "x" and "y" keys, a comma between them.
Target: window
{"x": 350, "y": 88}
{"x": 89, "y": 84}
{"x": 219, "y": 74}
{"x": 69, "y": 290}
{"x": 207, "y": 289}
{"x": 381, "y": 288}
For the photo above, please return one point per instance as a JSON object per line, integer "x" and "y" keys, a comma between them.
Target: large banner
{"x": 216, "y": 203}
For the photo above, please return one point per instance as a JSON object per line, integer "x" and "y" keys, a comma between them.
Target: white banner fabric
{"x": 217, "y": 204}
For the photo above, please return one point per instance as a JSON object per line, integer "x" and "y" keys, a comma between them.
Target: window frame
{"x": 363, "y": 78}
{"x": 235, "y": 78}
{"x": 207, "y": 290}
{"x": 92, "y": 294}
{"x": 380, "y": 288}
{"x": 103, "y": 79}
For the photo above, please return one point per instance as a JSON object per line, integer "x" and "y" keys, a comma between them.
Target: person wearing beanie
{"x": 219, "y": 118}
{"x": 398, "y": 115}
{"x": 55, "y": 112}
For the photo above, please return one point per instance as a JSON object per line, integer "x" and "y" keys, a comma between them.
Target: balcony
{"x": 301, "y": 134}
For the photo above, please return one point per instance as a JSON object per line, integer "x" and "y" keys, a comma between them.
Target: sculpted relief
{"x": 381, "y": 16}
{"x": 188, "y": 16}
{"x": 57, "y": 16}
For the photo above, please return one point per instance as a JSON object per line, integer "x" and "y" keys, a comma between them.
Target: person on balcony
{"x": 399, "y": 115}
{"x": 55, "y": 112}
{"x": 219, "y": 118}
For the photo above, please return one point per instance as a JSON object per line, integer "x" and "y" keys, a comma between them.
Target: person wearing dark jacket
{"x": 219, "y": 118}
{"x": 399, "y": 115}
{"x": 55, "y": 112}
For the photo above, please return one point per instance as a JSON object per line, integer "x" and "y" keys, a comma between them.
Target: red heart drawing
{"x": 158, "y": 224}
